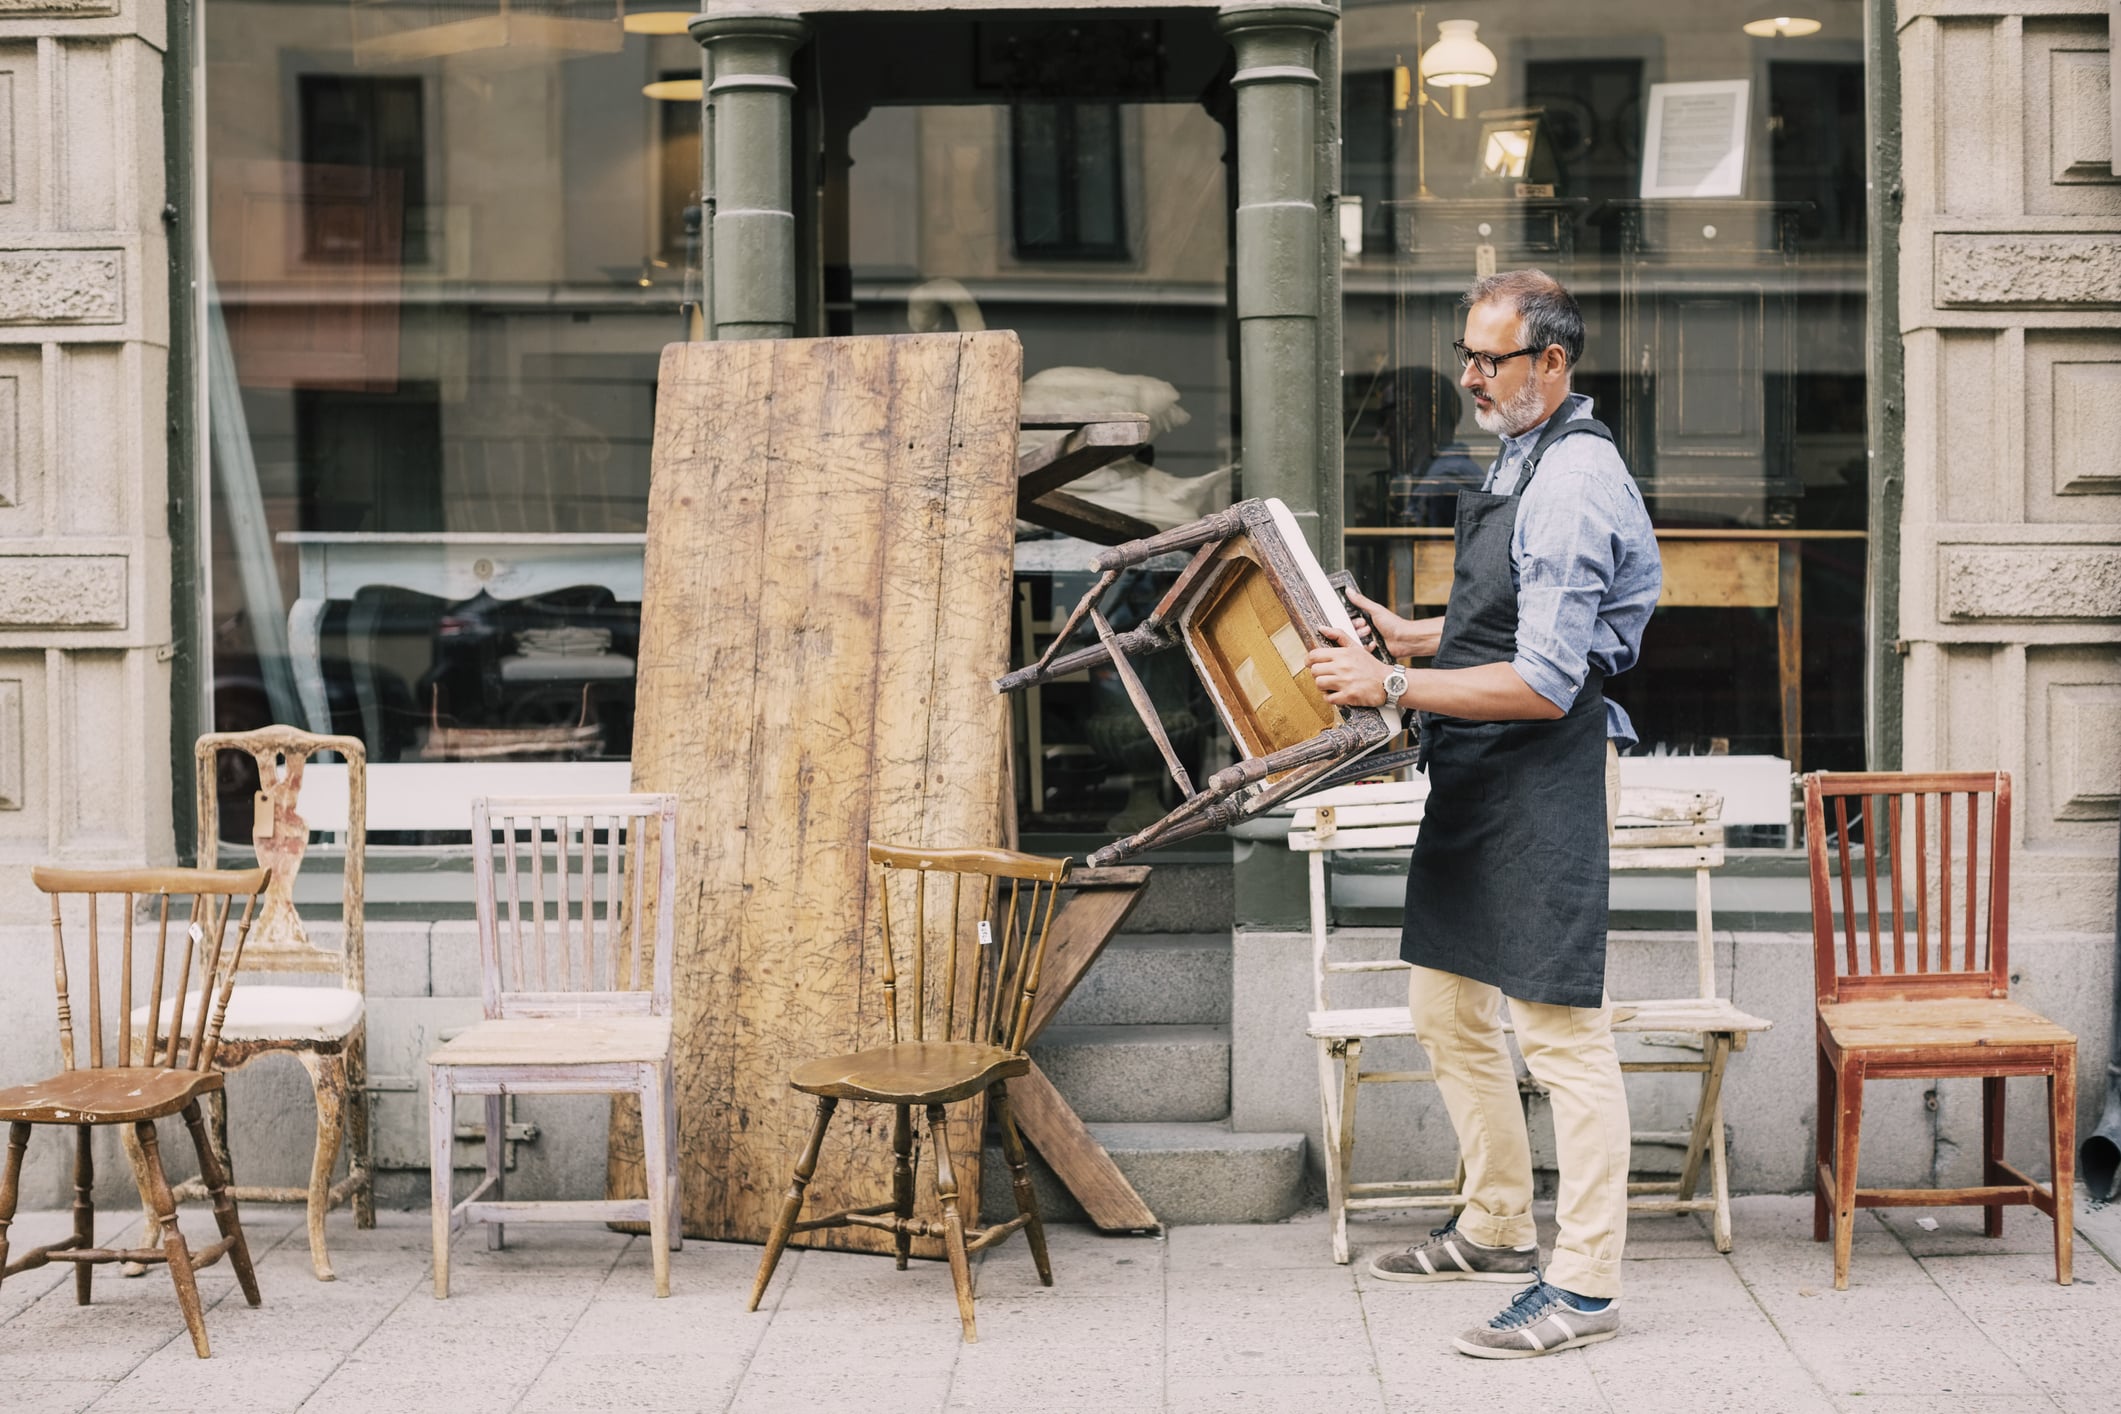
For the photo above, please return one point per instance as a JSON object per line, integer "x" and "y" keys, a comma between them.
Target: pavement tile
{"x": 1276, "y": 1394}
{"x": 1636, "y": 1376}
{"x": 1286, "y": 1322}
{"x": 1958, "y": 1231}
{"x": 874, "y": 1389}
{"x": 53, "y": 1396}
{"x": 1059, "y": 1384}
{"x": 913, "y": 1344}
{"x": 1302, "y": 1241}
{"x": 641, "y": 1384}
{"x": 1950, "y": 1404}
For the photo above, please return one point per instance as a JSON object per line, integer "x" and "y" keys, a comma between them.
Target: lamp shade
{"x": 671, "y": 21}
{"x": 1457, "y": 59}
{"x": 1782, "y": 27}
{"x": 676, "y": 90}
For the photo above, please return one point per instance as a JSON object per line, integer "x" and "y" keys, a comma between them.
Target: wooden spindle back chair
{"x": 963, "y": 935}
{"x": 576, "y": 987}
{"x": 107, "y": 1080}
{"x": 1910, "y": 886}
{"x": 562, "y": 895}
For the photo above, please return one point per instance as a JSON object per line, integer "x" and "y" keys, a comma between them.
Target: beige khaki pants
{"x": 1569, "y": 1050}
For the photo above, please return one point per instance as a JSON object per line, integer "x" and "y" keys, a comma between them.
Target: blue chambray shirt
{"x": 1584, "y": 562}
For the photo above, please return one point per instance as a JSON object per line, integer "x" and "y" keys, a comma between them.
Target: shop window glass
{"x": 1065, "y": 176}
{"x": 1720, "y": 265}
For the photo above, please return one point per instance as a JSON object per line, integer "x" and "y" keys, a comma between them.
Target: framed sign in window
{"x": 1695, "y": 144}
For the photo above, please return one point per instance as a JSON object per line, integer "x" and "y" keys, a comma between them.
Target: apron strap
{"x": 1555, "y": 431}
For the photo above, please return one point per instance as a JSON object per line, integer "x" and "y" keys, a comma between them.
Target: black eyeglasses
{"x": 1489, "y": 363}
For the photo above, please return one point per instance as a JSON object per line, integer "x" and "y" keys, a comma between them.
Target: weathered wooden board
{"x": 826, "y": 606}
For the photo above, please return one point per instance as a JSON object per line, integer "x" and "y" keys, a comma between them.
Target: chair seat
{"x": 1364, "y": 1023}
{"x": 1931, "y": 1024}
{"x": 600, "y": 1040}
{"x": 106, "y": 1096}
{"x": 274, "y": 1013}
{"x": 1699, "y": 1014}
{"x": 910, "y": 1073}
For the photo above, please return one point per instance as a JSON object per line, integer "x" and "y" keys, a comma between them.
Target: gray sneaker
{"x": 1449, "y": 1255}
{"x": 1540, "y": 1321}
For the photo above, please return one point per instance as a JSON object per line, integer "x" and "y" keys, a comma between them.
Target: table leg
{"x": 305, "y": 651}
{"x": 1789, "y": 647}
{"x": 361, "y": 620}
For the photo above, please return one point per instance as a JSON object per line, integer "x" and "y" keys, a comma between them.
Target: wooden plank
{"x": 1086, "y": 922}
{"x": 1698, "y": 574}
{"x": 826, "y": 602}
{"x": 1085, "y": 520}
{"x": 1076, "y": 1158}
{"x": 1085, "y": 448}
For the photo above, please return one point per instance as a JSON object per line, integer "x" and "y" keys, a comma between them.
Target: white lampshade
{"x": 676, "y": 90}
{"x": 658, "y": 21}
{"x": 1457, "y": 59}
{"x": 1782, "y": 27}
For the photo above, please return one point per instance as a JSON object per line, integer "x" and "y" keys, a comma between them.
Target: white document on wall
{"x": 1695, "y": 145}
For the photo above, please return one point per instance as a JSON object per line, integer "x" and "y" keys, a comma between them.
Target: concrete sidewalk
{"x": 1209, "y": 1318}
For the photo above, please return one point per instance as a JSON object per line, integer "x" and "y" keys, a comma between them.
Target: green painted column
{"x": 748, "y": 154}
{"x": 1282, "y": 283}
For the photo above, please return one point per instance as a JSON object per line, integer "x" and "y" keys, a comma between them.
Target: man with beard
{"x": 1557, "y": 571}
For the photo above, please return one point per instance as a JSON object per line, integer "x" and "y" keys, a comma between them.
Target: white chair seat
{"x": 274, "y": 1013}
{"x": 1700, "y": 1014}
{"x": 532, "y": 1041}
{"x": 1365, "y": 1023}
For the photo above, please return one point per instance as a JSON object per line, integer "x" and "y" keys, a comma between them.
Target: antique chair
{"x": 325, "y": 1028}
{"x": 1658, "y": 830}
{"x": 1246, "y": 609}
{"x": 968, "y": 1017}
{"x": 576, "y": 1002}
{"x": 136, "y": 1088}
{"x": 1910, "y": 989}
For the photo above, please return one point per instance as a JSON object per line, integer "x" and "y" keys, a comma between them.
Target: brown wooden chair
{"x": 577, "y": 999}
{"x": 325, "y": 1028}
{"x": 969, "y": 1018}
{"x": 1913, "y": 982}
{"x": 116, "y": 1088}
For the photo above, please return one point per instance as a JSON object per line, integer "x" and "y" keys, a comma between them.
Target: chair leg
{"x": 2062, "y": 1154}
{"x": 1848, "y": 1133}
{"x": 1720, "y": 1183}
{"x": 792, "y": 1204}
{"x": 1706, "y": 1108}
{"x": 360, "y": 1140}
{"x": 1020, "y": 1181}
{"x": 1992, "y": 1131}
{"x": 953, "y": 1220}
{"x": 150, "y": 1225}
{"x": 84, "y": 1209}
{"x": 902, "y": 1179}
{"x": 225, "y": 1216}
{"x": 11, "y": 1185}
{"x": 672, "y": 1157}
{"x": 497, "y": 1164}
{"x": 1336, "y": 1110}
{"x": 655, "y": 1156}
{"x": 1824, "y": 1128}
{"x": 441, "y": 1140}
{"x": 159, "y": 1198}
{"x": 327, "y": 1079}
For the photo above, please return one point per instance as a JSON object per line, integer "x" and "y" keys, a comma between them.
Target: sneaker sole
{"x": 1490, "y": 1352}
{"x": 1507, "y": 1278}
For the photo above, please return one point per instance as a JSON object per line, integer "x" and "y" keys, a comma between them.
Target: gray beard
{"x": 1514, "y": 415}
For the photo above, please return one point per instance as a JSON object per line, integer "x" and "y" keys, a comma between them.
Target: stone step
{"x": 1154, "y": 979}
{"x": 1186, "y": 1173}
{"x": 1139, "y": 1074}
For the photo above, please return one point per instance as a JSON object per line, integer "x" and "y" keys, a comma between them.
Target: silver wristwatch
{"x": 1395, "y": 685}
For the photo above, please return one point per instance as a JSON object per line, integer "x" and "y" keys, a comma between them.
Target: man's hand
{"x": 1403, "y": 638}
{"x": 1345, "y": 671}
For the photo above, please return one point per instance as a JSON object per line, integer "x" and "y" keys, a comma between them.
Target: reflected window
{"x": 1068, "y": 181}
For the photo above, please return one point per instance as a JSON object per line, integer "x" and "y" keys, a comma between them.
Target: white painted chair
{"x": 576, "y": 1001}
{"x": 1658, "y": 830}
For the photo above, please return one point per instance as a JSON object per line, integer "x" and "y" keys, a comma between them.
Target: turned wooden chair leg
{"x": 360, "y": 1142}
{"x": 1848, "y": 1134}
{"x": 1020, "y": 1181}
{"x": 792, "y": 1204}
{"x": 1332, "y": 1112}
{"x": 11, "y": 1185}
{"x": 225, "y": 1216}
{"x": 84, "y": 1209}
{"x": 953, "y": 1220}
{"x": 150, "y": 1225}
{"x": 2062, "y": 1154}
{"x": 164, "y": 1204}
{"x": 441, "y": 1144}
{"x": 327, "y": 1079}
{"x": 1821, "y": 1199}
{"x": 902, "y": 1179}
{"x": 496, "y": 1164}
{"x": 1992, "y": 1097}
{"x": 655, "y": 1151}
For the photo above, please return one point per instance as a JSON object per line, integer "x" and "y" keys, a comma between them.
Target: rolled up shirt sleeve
{"x": 1573, "y": 534}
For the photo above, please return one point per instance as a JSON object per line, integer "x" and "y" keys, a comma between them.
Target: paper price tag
{"x": 986, "y": 934}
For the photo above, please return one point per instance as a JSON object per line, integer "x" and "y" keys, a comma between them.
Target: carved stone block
{"x": 2027, "y": 269}
{"x": 62, "y": 591}
{"x": 62, "y": 286}
{"x": 2084, "y": 750}
{"x": 2029, "y": 581}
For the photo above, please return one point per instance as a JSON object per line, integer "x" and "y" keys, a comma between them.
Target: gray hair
{"x": 1549, "y": 312}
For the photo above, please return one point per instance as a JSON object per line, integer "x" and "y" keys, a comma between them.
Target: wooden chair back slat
{"x": 1953, "y": 939}
{"x": 212, "y": 895}
{"x": 990, "y": 951}
{"x": 578, "y": 866}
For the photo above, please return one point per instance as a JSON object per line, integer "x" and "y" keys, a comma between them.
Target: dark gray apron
{"x": 1509, "y": 876}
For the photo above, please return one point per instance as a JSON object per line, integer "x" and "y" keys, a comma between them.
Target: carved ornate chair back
{"x": 970, "y": 928}
{"x": 149, "y": 953}
{"x": 1922, "y": 905}
{"x": 281, "y": 838}
{"x": 564, "y": 904}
